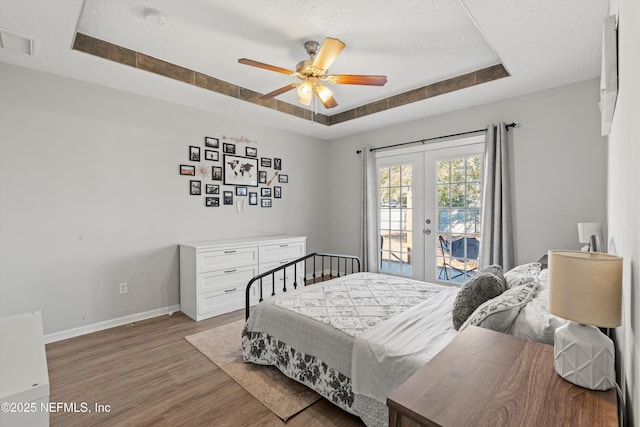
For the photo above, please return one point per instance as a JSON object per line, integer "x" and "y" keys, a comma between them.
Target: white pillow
{"x": 518, "y": 275}
{"x": 534, "y": 322}
{"x": 499, "y": 313}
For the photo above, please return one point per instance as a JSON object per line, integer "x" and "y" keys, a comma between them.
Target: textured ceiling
{"x": 542, "y": 44}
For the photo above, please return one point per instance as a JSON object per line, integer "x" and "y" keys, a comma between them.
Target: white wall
{"x": 559, "y": 166}
{"x": 90, "y": 196}
{"x": 624, "y": 196}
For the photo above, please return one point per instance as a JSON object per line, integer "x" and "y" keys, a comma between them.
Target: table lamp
{"x": 591, "y": 233}
{"x": 586, "y": 289}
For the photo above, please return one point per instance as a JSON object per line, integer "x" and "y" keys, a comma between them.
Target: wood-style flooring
{"x": 148, "y": 374}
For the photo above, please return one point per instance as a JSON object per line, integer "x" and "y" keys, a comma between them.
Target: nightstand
{"x": 487, "y": 378}
{"x": 544, "y": 261}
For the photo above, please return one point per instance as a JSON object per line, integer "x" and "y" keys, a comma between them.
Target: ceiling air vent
{"x": 15, "y": 42}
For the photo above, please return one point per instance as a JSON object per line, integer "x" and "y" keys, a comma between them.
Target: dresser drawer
{"x": 281, "y": 251}
{"x": 219, "y": 302}
{"x": 225, "y": 281}
{"x": 225, "y": 259}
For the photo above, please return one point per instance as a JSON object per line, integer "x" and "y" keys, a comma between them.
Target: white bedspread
{"x": 387, "y": 354}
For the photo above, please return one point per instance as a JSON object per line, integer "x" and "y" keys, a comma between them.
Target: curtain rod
{"x": 422, "y": 141}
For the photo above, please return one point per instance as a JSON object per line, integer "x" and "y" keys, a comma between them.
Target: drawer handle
{"x": 283, "y": 262}
{"x": 230, "y": 252}
{"x": 230, "y": 271}
{"x": 283, "y": 246}
{"x": 230, "y": 290}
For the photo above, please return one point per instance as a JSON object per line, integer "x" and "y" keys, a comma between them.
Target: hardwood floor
{"x": 148, "y": 374}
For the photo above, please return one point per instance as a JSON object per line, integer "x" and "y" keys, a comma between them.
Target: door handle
{"x": 426, "y": 231}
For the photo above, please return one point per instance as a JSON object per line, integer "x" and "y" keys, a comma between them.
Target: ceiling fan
{"x": 314, "y": 72}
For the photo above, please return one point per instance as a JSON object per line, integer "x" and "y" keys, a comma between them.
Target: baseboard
{"x": 112, "y": 323}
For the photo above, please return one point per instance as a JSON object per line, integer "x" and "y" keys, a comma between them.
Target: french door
{"x": 429, "y": 211}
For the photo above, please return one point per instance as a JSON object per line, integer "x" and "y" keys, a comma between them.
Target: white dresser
{"x": 24, "y": 377}
{"x": 214, "y": 274}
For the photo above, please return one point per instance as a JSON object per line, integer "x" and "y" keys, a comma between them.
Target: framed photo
{"x": 262, "y": 177}
{"x": 216, "y": 173}
{"x": 265, "y": 203}
{"x": 277, "y": 164}
{"x": 241, "y": 191}
{"x": 188, "y": 170}
{"x": 283, "y": 178}
{"x": 240, "y": 171}
{"x": 251, "y": 152}
{"x": 194, "y": 153}
{"x": 229, "y": 148}
{"x": 211, "y": 155}
{"x": 277, "y": 192}
{"x": 253, "y": 198}
{"x": 211, "y": 142}
{"x": 265, "y": 192}
{"x": 195, "y": 187}
{"x": 265, "y": 162}
{"x": 212, "y": 189}
{"x": 228, "y": 197}
{"x": 212, "y": 202}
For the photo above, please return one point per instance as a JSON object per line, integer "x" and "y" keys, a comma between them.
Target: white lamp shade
{"x": 588, "y": 229}
{"x": 586, "y": 287}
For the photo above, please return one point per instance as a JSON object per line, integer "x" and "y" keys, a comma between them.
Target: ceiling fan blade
{"x": 328, "y": 53}
{"x": 358, "y": 79}
{"x": 325, "y": 96}
{"x": 253, "y": 63}
{"x": 277, "y": 92}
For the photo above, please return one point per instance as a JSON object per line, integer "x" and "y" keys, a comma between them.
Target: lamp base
{"x": 584, "y": 356}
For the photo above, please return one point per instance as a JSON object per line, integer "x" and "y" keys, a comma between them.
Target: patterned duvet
{"x": 309, "y": 333}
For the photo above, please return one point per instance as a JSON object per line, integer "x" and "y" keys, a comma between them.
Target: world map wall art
{"x": 237, "y": 170}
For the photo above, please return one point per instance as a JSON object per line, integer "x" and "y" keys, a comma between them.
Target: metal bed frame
{"x": 350, "y": 264}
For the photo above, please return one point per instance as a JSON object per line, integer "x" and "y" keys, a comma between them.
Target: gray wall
{"x": 624, "y": 197}
{"x": 559, "y": 166}
{"x": 90, "y": 196}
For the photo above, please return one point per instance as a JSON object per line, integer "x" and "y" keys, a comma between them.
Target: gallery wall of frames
{"x": 229, "y": 171}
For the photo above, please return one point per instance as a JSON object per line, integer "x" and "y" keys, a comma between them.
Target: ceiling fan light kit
{"x": 314, "y": 71}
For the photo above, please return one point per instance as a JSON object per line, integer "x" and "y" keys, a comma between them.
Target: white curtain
{"x": 368, "y": 212}
{"x": 496, "y": 242}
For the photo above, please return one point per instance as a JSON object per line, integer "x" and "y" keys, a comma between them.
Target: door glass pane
{"x": 458, "y": 190}
{"x": 396, "y": 216}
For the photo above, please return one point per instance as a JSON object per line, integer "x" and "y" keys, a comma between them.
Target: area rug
{"x": 279, "y": 393}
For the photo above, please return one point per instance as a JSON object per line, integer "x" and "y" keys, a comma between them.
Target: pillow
{"x": 487, "y": 284}
{"x": 499, "y": 313}
{"x": 517, "y": 275}
{"x": 534, "y": 322}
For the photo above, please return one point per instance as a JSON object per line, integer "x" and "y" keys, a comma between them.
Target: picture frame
{"x": 228, "y": 197}
{"x": 212, "y": 142}
{"x": 195, "y": 187}
{"x": 265, "y": 162}
{"x": 212, "y": 189}
{"x": 194, "y": 153}
{"x": 212, "y": 202}
{"x": 216, "y": 173}
{"x": 265, "y": 192}
{"x": 241, "y": 191}
{"x": 229, "y": 148}
{"x": 251, "y": 152}
{"x": 283, "y": 178}
{"x": 188, "y": 170}
{"x": 240, "y": 171}
{"x": 277, "y": 192}
{"x": 277, "y": 164}
{"x": 211, "y": 155}
{"x": 262, "y": 177}
{"x": 253, "y": 198}
{"x": 265, "y": 203}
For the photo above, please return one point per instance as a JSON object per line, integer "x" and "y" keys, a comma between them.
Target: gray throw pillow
{"x": 487, "y": 284}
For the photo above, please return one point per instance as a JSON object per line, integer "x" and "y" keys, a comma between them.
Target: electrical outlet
{"x": 123, "y": 288}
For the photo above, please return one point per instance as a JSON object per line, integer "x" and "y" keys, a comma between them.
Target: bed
{"x": 358, "y": 336}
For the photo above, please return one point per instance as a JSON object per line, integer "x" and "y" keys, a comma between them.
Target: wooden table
{"x": 487, "y": 378}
